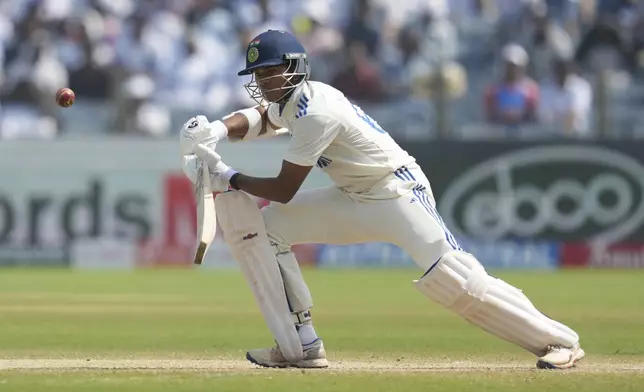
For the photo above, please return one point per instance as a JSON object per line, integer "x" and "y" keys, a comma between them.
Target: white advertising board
{"x": 95, "y": 195}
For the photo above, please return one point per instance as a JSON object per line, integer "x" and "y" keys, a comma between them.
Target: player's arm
{"x": 246, "y": 124}
{"x": 312, "y": 135}
{"x": 280, "y": 189}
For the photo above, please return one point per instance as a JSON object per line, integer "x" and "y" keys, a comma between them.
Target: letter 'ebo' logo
{"x": 564, "y": 192}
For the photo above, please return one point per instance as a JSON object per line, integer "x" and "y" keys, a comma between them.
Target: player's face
{"x": 271, "y": 81}
{"x": 513, "y": 71}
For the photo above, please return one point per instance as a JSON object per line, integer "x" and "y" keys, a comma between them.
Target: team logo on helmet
{"x": 253, "y": 54}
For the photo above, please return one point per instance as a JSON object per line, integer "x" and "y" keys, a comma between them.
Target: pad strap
{"x": 300, "y": 318}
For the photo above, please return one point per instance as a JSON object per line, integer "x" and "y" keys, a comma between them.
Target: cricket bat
{"x": 206, "y": 215}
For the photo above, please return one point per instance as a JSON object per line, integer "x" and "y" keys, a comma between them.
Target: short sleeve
{"x": 311, "y": 136}
{"x": 274, "y": 116}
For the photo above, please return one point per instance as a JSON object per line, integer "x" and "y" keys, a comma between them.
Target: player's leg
{"x": 460, "y": 283}
{"x": 313, "y": 216}
{"x": 456, "y": 280}
{"x": 306, "y": 218}
{"x": 245, "y": 233}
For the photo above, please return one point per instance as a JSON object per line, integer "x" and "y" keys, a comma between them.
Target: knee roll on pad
{"x": 459, "y": 282}
{"x": 245, "y": 233}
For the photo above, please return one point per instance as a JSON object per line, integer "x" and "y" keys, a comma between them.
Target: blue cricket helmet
{"x": 272, "y": 48}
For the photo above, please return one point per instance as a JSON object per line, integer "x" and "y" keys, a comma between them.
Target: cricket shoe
{"x": 314, "y": 357}
{"x": 559, "y": 357}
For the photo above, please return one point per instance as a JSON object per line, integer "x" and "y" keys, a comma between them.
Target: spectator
{"x": 567, "y": 14}
{"x": 260, "y": 15}
{"x": 510, "y": 18}
{"x": 188, "y": 84}
{"x": 360, "y": 79}
{"x": 426, "y": 45}
{"x": 610, "y": 43}
{"x": 514, "y": 99}
{"x": 543, "y": 39}
{"x": 132, "y": 50}
{"x": 323, "y": 42}
{"x": 90, "y": 79}
{"x": 396, "y": 14}
{"x": 137, "y": 114}
{"x": 566, "y": 101}
{"x": 377, "y": 51}
{"x": 361, "y": 28}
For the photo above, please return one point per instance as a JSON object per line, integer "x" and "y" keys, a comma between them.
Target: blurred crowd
{"x": 143, "y": 66}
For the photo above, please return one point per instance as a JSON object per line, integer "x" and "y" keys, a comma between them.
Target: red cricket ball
{"x": 65, "y": 97}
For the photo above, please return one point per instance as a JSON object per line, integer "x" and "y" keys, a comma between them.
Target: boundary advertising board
{"x": 124, "y": 203}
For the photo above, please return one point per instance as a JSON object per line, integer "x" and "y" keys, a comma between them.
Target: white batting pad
{"x": 297, "y": 292}
{"x": 459, "y": 282}
{"x": 245, "y": 233}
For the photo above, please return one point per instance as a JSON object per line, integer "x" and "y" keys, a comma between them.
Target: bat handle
{"x": 201, "y": 252}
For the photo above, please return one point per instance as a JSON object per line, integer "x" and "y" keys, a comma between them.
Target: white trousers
{"x": 330, "y": 216}
{"x": 402, "y": 212}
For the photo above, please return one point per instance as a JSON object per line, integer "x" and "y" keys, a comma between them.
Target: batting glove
{"x": 215, "y": 164}
{"x": 194, "y": 131}
{"x": 190, "y": 167}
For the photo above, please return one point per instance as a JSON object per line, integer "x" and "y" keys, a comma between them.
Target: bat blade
{"x": 206, "y": 214}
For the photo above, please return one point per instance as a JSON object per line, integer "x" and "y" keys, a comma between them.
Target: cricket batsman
{"x": 380, "y": 194}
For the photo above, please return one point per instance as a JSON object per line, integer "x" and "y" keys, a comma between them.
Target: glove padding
{"x": 215, "y": 164}
{"x": 190, "y": 167}
{"x": 195, "y": 131}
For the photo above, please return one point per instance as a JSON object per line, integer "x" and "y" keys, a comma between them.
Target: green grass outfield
{"x": 187, "y": 330}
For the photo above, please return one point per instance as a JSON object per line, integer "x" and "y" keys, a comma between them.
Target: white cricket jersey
{"x": 335, "y": 135}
